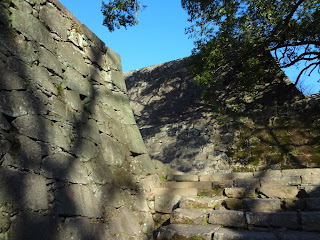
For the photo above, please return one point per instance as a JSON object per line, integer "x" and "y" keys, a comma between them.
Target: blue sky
{"x": 158, "y": 38}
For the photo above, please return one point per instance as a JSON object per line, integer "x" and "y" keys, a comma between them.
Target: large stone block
{"x": 310, "y": 221}
{"x": 49, "y": 60}
{"x": 239, "y": 192}
{"x": 247, "y": 182}
{"x": 23, "y": 191}
{"x": 186, "y": 232}
{"x": 262, "y": 205}
{"x": 231, "y": 234}
{"x": 31, "y": 225}
{"x": 189, "y": 216}
{"x": 113, "y": 152}
{"x": 124, "y": 223}
{"x": 276, "y": 181}
{"x": 64, "y": 167}
{"x": 228, "y": 218}
{"x": 283, "y": 219}
{"x": 32, "y": 28}
{"x": 75, "y": 81}
{"x": 81, "y": 228}
{"x": 279, "y": 192}
{"x": 40, "y": 128}
{"x": 85, "y": 150}
{"x": 4, "y": 124}
{"x": 89, "y": 130}
{"x": 183, "y": 178}
{"x": 55, "y": 20}
{"x": 72, "y": 57}
{"x": 204, "y": 202}
{"x": 198, "y": 185}
{"x": 166, "y": 203}
{"x": 24, "y": 154}
{"x": 77, "y": 200}
{"x": 19, "y": 103}
{"x": 10, "y": 80}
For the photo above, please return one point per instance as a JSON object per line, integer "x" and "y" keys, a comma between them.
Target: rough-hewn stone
{"x": 228, "y": 218}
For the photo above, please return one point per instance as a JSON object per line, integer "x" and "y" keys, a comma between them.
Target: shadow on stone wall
{"x": 72, "y": 158}
{"x": 235, "y": 129}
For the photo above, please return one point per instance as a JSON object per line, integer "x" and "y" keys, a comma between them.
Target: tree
{"x": 239, "y": 35}
{"x": 120, "y": 13}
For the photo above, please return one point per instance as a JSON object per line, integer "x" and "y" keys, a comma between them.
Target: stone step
{"x": 231, "y": 234}
{"x": 198, "y": 185}
{"x": 183, "y": 178}
{"x": 311, "y": 190}
{"x": 239, "y": 192}
{"x": 279, "y": 191}
{"x": 204, "y": 202}
{"x": 186, "y": 232}
{"x": 214, "y": 232}
{"x": 175, "y": 191}
{"x": 262, "y": 205}
{"x": 190, "y": 216}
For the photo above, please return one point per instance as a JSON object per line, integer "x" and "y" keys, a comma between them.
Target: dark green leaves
{"x": 120, "y": 13}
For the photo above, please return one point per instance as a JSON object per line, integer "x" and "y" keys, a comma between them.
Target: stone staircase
{"x": 275, "y": 204}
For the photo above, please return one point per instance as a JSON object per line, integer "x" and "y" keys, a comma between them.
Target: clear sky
{"x": 159, "y": 37}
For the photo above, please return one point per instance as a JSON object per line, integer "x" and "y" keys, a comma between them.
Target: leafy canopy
{"x": 239, "y": 35}
{"x": 120, "y": 13}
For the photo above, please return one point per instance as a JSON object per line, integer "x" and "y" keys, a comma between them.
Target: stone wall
{"x": 73, "y": 163}
{"x": 234, "y": 130}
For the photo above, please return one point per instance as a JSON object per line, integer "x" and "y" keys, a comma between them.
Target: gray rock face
{"x": 73, "y": 162}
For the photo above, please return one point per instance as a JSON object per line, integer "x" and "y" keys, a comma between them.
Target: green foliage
{"x": 236, "y": 37}
{"x": 120, "y": 13}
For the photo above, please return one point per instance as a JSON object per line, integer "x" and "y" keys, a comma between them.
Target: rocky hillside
{"x": 271, "y": 126}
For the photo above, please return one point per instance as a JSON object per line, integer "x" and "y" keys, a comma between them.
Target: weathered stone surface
{"x": 48, "y": 60}
{"x": 72, "y": 56}
{"x": 118, "y": 80}
{"x": 99, "y": 171}
{"x": 312, "y": 204}
{"x": 262, "y": 205}
{"x": 239, "y": 192}
{"x": 113, "y": 60}
{"x": 55, "y": 20}
{"x": 175, "y": 191}
{"x": 311, "y": 179}
{"x": 186, "y": 232}
{"x": 270, "y": 173}
{"x": 89, "y": 130}
{"x": 204, "y": 202}
{"x": 84, "y": 149}
{"x": 275, "y": 181}
{"x": 19, "y": 103}
{"x": 77, "y": 200}
{"x": 312, "y": 190}
{"x": 230, "y": 234}
{"x": 247, "y": 182}
{"x": 32, "y": 28}
{"x": 4, "y": 222}
{"x": 225, "y": 176}
{"x": 76, "y": 82}
{"x": 39, "y": 128}
{"x": 166, "y": 203}
{"x": 228, "y": 218}
{"x": 279, "y": 192}
{"x": 189, "y": 216}
{"x": 26, "y": 226}
{"x": 10, "y": 80}
{"x": 283, "y": 219}
{"x": 300, "y": 172}
{"x": 183, "y": 178}
{"x": 150, "y": 182}
{"x": 113, "y": 151}
{"x": 65, "y": 167}
{"x": 72, "y": 99}
{"x": 81, "y": 228}
{"x": 24, "y": 154}
{"x": 124, "y": 223}
{"x": 310, "y": 221}
{"x": 295, "y": 235}
{"x": 19, "y": 190}
{"x": 198, "y": 185}
{"x": 4, "y": 124}
{"x": 145, "y": 163}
